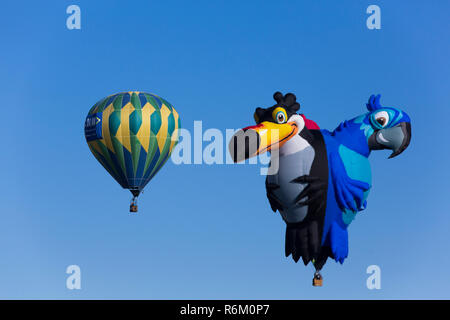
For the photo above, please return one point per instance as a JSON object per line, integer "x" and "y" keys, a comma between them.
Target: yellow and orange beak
{"x": 266, "y": 136}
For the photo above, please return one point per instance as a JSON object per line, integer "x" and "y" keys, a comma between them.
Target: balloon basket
{"x": 133, "y": 205}
{"x": 317, "y": 280}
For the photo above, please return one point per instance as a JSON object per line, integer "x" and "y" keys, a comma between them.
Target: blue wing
{"x": 345, "y": 194}
{"x": 349, "y": 192}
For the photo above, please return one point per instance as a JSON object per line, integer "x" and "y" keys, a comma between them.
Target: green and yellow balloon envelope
{"x": 132, "y": 134}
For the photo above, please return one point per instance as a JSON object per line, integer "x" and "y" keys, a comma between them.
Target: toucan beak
{"x": 251, "y": 141}
{"x": 396, "y": 138}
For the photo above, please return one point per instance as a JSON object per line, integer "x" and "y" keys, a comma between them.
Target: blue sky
{"x": 206, "y": 231}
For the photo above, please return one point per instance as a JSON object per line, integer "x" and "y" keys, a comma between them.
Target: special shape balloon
{"x": 323, "y": 177}
{"x": 132, "y": 135}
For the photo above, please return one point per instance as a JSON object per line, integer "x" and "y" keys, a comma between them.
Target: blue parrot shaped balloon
{"x": 323, "y": 177}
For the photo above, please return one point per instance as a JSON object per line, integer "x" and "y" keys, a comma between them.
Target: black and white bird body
{"x": 294, "y": 159}
{"x": 296, "y": 182}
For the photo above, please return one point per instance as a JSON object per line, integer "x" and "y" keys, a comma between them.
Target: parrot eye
{"x": 279, "y": 115}
{"x": 382, "y": 118}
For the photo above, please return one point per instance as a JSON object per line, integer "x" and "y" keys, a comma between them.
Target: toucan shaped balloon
{"x": 132, "y": 134}
{"x": 323, "y": 177}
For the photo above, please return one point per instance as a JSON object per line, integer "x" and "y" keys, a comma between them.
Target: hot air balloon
{"x": 132, "y": 135}
{"x": 322, "y": 178}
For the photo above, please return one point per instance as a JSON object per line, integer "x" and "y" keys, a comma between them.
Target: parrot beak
{"x": 251, "y": 141}
{"x": 396, "y": 138}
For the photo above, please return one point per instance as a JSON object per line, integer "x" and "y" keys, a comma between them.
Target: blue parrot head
{"x": 380, "y": 128}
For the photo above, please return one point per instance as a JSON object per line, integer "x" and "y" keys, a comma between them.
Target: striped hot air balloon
{"x": 132, "y": 134}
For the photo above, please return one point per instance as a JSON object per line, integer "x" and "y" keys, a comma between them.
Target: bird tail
{"x": 303, "y": 240}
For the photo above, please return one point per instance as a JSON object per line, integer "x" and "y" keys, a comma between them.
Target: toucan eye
{"x": 382, "y": 118}
{"x": 279, "y": 115}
